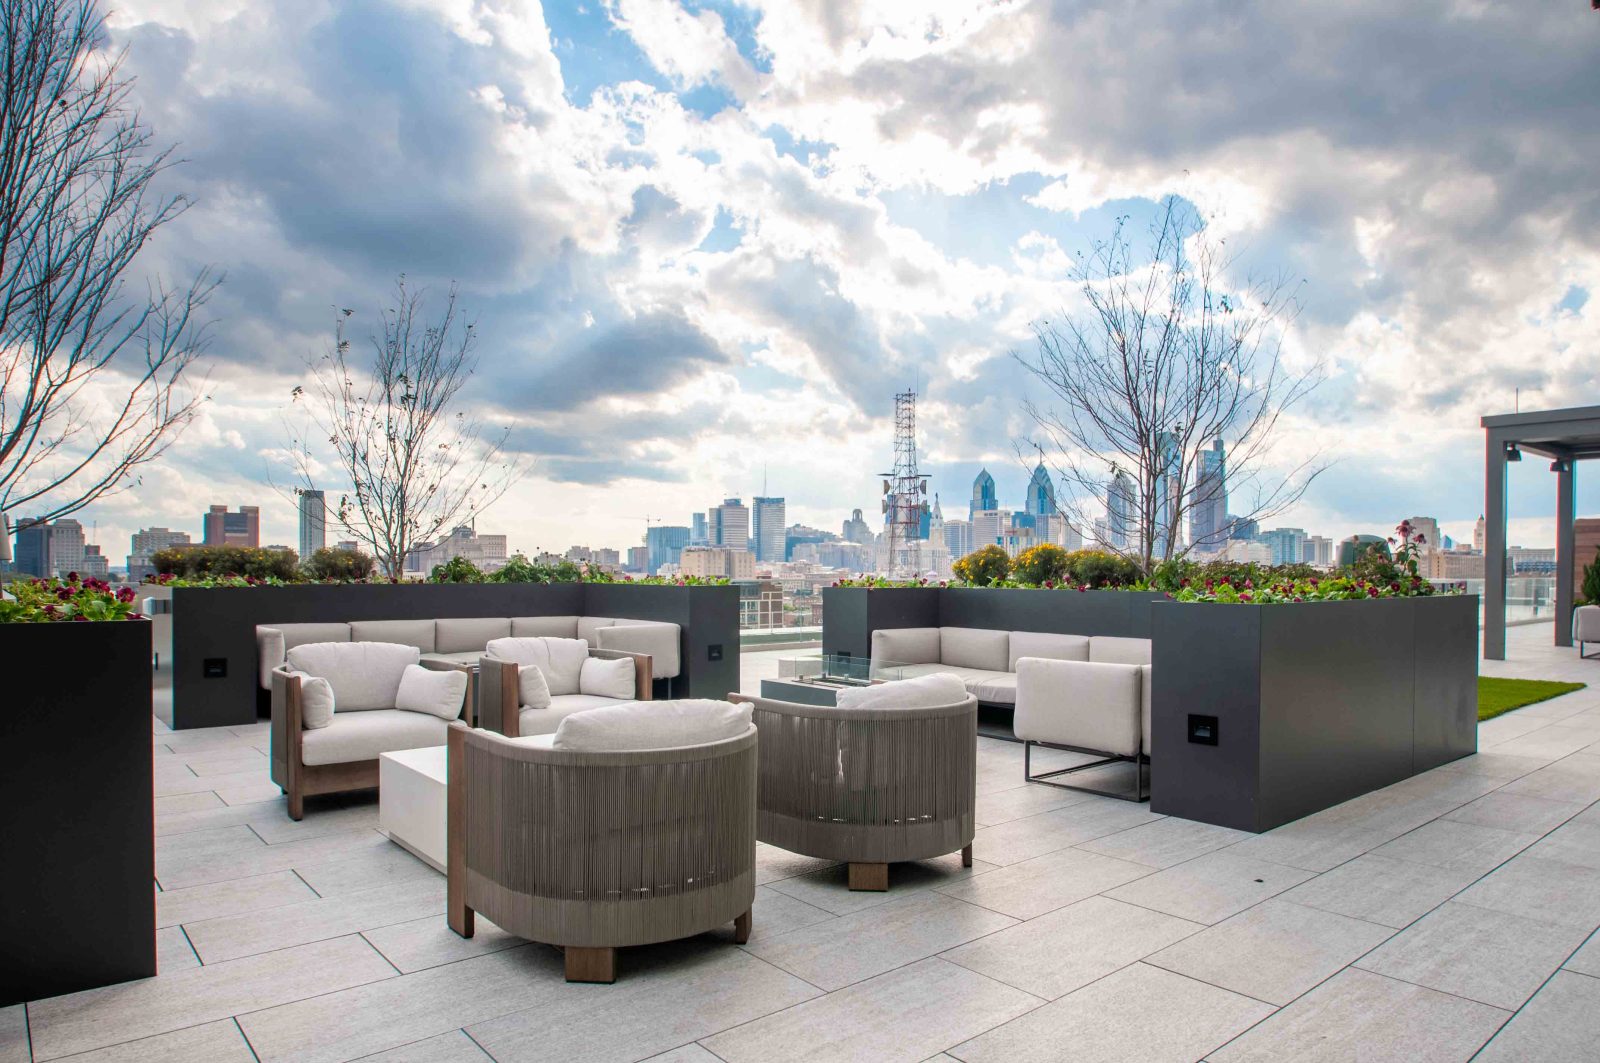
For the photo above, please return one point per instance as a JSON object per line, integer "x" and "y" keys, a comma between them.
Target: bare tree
{"x": 1166, "y": 358}
{"x": 91, "y": 378}
{"x": 415, "y": 467}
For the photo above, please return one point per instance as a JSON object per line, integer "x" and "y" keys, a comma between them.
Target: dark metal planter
{"x": 77, "y": 901}
{"x": 214, "y": 644}
{"x": 1313, "y": 704}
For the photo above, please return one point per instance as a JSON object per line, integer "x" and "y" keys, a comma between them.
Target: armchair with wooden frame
{"x": 500, "y": 707}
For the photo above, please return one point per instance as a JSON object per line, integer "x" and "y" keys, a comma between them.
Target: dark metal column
{"x": 1494, "y": 547}
{"x": 1566, "y": 513}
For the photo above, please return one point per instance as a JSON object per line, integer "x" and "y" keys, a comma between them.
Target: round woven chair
{"x": 595, "y": 851}
{"x": 868, "y": 787}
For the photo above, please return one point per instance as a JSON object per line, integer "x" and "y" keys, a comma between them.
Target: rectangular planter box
{"x": 213, "y": 657}
{"x": 77, "y": 901}
{"x": 1315, "y": 703}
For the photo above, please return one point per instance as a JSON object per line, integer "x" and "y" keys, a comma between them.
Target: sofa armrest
{"x": 270, "y": 653}
{"x": 469, "y": 704}
{"x": 499, "y": 708}
{"x": 287, "y": 727}
{"x": 642, "y": 677}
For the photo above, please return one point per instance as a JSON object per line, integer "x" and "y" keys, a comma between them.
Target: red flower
{"x": 1049, "y": 584}
{"x": 72, "y": 577}
{"x": 125, "y": 594}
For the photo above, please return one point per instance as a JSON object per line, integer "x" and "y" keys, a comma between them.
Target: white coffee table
{"x": 412, "y": 802}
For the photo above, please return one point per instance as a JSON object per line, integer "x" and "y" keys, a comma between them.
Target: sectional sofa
{"x": 985, "y": 660}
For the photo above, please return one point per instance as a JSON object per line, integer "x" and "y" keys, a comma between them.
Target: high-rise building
{"x": 313, "y": 523}
{"x": 66, "y": 546}
{"x": 938, "y": 558}
{"x": 146, "y": 543}
{"x": 984, "y": 498}
{"x": 225, "y": 528}
{"x": 1168, "y": 532}
{"x": 1478, "y": 534}
{"x": 730, "y": 524}
{"x": 1287, "y": 545}
{"x": 639, "y": 559}
{"x": 717, "y": 561}
{"x": 663, "y": 544}
{"x": 488, "y": 552}
{"x": 769, "y": 520}
{"x": 55, "y": 549}
{"x": 856, "y": 530}
{"x": 1208, "y": 500}
{"x": 1122, "y": 526}
{"x": 94, "y": 564}
{"x": 958, "y": 538}
{"x": 1041, "y": 501}
{"x": 990, "y": 527}
{"x": 32, "y": 556}
{"x": 1428, "y": 528}
{"x": 699, "y": 531}
{"x": 1317, "y": 550}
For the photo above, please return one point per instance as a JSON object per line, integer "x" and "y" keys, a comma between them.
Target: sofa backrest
{"x": 363, "y": 675}
{"x": 550, "y": 627}
{"x": 1050, "y": 646}
{"x": 588, "y": 625}
{"x": 418, "y": 633}
{"x": 561, "y": 660}
{"x": 1114, "y": 649}
{"x": 975, "y": 647}
{"x": 905, "y": 645}
{"x": 463, "y": 635}
{"x": 274, "y": 640}
{"x": 656, "y": 637}
{"x": 647, "y": 725}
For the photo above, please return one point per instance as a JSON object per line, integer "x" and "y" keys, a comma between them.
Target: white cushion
{"x": 1049, "y": 646}
{"x": 659, "y": 640}
{"x": 613, "y": 678}
{"x": 905, "y": 645}
{"x": 316, "y": 701}
{"x": 561, "y": 660}
{"x": 356, "y": 736}
{"x": 1113, "y": 649}
{"x": 364, "y": 675}
{"x": 588, "y": 625}
{"x": 975, "y": 647}
{"x": 460, "y": 634}
{"x": 1080, "y": 703}
{"x": 274, "y": 640}
{"x": 558, "y": 627}
{"x": 532, "y": 690}
{"x": 438, "y": 693}
{"x": 993, "y": 688}
{"x": 638, "y": 725}
{"x": 418, "y": 633}
{"x": 546, "y": 720}
{"x": 923, "y": 692}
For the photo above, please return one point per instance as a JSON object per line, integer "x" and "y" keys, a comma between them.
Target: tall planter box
{"x": 1313, "y": 703}
{"x": 214, "y": 667}
{"x": 77, "y": 901}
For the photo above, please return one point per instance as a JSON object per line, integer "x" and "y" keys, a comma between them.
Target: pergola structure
{"x": 1566, "y": 437}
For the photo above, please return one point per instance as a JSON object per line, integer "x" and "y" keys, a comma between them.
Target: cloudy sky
{"x": 706, "y": 241}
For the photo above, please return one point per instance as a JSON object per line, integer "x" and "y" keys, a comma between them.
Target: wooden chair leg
{"x": 591, "y": 965}
{"x": 869, "y": 877}
{"x": 462, "y": 920}
{"x": 741, "y": 928}
{"x": 297, "y": 806}
{"x": 966, "y": 856}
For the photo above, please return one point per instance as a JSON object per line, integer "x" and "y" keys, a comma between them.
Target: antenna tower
{"x": 905, "y": 492}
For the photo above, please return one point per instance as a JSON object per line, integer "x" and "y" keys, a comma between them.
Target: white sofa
{"x": 463, "y": 640}
{"x": 1585, "y": 625}
{"x": 573, "y": 676}
{"x": 985, "y": 659}
{"x": 1095, "y": 707}
{"x": 326, "y": 739}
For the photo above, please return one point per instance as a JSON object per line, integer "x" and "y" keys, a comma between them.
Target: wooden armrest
{"x": 499, "y": 708}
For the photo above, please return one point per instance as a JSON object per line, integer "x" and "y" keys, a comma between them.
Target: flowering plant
{"x": 39, "y": 601}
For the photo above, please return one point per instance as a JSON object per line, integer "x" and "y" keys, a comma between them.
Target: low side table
{"x": 412, "y": 801}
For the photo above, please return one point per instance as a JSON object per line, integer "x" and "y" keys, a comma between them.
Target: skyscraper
{"x": 1121, "y": 522}
{"x": 33, "y": 554}
{"x": 699, "y": 530}
{"x": 1167, "y": 535}
{"x": 313, "y": 523}
{"x": 66, "y": 546}
{"x": 664, "y": 545}
{"x": 1478, "y": 534}
{"x": 1208, "y": 500}
{"x": 1287, "y": 545}
{"x": 1041, "y": 501}
{"x": 984, "y": 498}
{"x": 769, "y": 523}
{"x": 145, "y": 544}
{"x": 857, "y": 530}
{"x": 224, "y": 528}
{"x": 730, "y": 524}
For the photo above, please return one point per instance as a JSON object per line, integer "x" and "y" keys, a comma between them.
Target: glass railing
{"x": 1529, "y": 599}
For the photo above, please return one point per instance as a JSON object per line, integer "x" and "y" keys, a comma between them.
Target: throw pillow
{"x": 603, "y": 678}
{"x": 437, "y": 693}
{"x": 532, "y": 690}
{"x": 923, "y": 692}
{"x": 636, "y": 725}
{"x": 316, "y": 701}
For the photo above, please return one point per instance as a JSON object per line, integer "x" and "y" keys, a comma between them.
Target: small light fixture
{"x": 1512, "y": 453}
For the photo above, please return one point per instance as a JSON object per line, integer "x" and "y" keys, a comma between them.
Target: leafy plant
{"x": 192, "y": 562}
{"x": 339, "y": 566}
{"x": 1099, "y": 569}
{"x": 1045, "y": 563}
{"x": 456, "y": 570}
{"x": 42, "y": 601}
{"x": 985, "y": 567}
{"x": 1590, "y": 591}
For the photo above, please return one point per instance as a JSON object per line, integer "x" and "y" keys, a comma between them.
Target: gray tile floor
{"x": 1447, "y": 917}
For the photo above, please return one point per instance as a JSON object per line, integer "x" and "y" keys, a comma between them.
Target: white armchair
{"x": 571, "y": 676}
{"x": 1085, "y": 707}
{"x": 1585, "y": 626}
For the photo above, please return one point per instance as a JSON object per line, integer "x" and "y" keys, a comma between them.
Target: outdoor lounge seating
{"x": 985, "y": 660}
{"x": 571, "y": 676}
{"x": 887, "y": 775}
{"x": 627, "y": 826}
{"x": 336, "y": 706}
{"x": 1585, "y": 626}
{"x": 1085, "y": 707}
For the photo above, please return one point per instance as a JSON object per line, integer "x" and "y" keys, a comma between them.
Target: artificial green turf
{"x": 1502, "y": 695}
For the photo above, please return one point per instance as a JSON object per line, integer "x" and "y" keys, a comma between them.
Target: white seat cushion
{"x": 912, "y": 671}
{"x": 554, "y": 627}
{"x": 561, "y": 660}
{"x": 364, "y": 675}
{"x": 608, "y": 678}
{"x": 356, "y": 736}
{"x": 1113, "y": 649}
{"x": 637, "y": 725}
{"x": 545, "y": 721}
{"x": 459, "y": 657}
{"x": 926, "y": 691}
{"x": 437, "y": 693}
{"x": 993, "y": 688}
{"x": 905, "y": 645}
{"x": 418, "y": 633}
{"x": 463, "y": 634}
{"x": 659, "y": 640}
{"x": 1080, "y": 703}
{"x": 1049, "y": 646}
{"x": 975, "y": 647}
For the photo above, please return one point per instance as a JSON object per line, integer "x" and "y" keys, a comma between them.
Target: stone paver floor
{"x": 1449, "y": 917}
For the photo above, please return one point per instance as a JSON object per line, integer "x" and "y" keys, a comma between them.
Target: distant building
{"x": 93, "y": 563}
{"x": 67, "y": 546}
{"x": 990, "y": 527}
{"x": 1244, "y": 528}
{"x": 851, "y": 557}
{"x": 639, "y": 560}
{"x": 1444, "y": 565}
{"x": 715, "y": 561}
{"x": 1168, "y": 532}
{"x": 1428, "y": 528}
{"x": 54, "y": 549}
{"x": 958, "y": 538}
{"x": 32, "y": 555}
{"x": 1041, "y": 500}
{"x": 760, "y": 603}
{"x": 769, "y": 527}
{"x": 730, "y": 524}
{"x": 1531, "y": 561}
{"x": 857, "y": 530}
{"x": 488, "y": 552}
{"x": 1353, "y": 547}
{"x": 605, "y": 556}
{"x": 798, "y": 534}
{"x": 1122, "y": 524}
{"x": 699, "y": 530}
{"x": 663, "y": 544}
{"x": 1478, "y": 534}
{"x": 226, "y": 528}
{"x": 1317, "y": 551}
{"x": 1208, "y": 500}
{"x": 146, "y": 543}
{"x": 313, "y": 523}
{"x": 984, "y": 498}
{"x": 1287, "y": 545}
{"x": 938, "y": 558}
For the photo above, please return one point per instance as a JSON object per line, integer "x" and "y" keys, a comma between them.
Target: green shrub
{"x": 456, "y": 570}
{"x": 339, "y": 565}
{"x": 984, "y": 567}
{"x": 1045, "y": 563}
{"x": 1097, "y": 568}
{"x": 1590, "y": 591}
{"x": 202, "y": 562}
